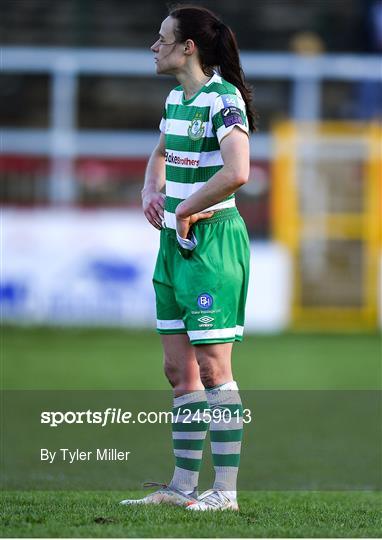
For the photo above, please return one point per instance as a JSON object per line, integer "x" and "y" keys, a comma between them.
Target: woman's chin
{"x": 161, "y": 71}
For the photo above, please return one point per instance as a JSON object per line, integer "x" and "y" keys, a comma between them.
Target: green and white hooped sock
{"x": 188, "y": 434}
{"x": 226, "y": 435}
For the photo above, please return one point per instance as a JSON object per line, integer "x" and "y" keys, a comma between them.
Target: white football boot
{"x": 214, "y": 500}
{"x": 164, "y": 495}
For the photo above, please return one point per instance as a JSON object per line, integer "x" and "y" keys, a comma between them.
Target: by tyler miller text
{"x": 76, "y": 455}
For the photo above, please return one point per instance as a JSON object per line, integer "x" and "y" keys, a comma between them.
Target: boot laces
{"x": 214, "y": 498}
{"x": 154, "y": 484}
{"x": 167, "y": 488}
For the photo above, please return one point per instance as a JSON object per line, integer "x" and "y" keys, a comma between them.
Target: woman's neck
{"x": 192, "y": 81}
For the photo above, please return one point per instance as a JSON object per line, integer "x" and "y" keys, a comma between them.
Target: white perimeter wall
{"x": 95, "y": 267}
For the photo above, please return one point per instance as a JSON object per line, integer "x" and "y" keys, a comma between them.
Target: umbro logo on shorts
{"x": 206, "y": 319}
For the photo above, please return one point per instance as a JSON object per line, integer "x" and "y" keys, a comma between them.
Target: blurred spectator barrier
{"x": 73, "y": 267}
{"x": 326, "y": 208}
{"x": 63, "y": 144}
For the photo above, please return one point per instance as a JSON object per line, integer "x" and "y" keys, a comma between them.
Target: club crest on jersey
{"x": 196, "y": 129}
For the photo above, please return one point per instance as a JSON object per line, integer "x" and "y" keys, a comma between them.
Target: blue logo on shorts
{"x": 205, "y": 301}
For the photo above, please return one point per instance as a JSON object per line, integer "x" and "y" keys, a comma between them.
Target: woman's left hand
{"x": 184, "y": 224}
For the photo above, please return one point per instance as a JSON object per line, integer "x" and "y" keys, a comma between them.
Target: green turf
{"x": 119, "y": 359}
{"x": 283, "y": 514}
{"x": 41, "y": 358}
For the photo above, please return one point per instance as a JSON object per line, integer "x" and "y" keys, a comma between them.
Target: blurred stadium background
{"x": 80, "y": 107}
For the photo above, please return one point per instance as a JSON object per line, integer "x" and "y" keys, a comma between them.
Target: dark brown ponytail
{"x": 217, "y": 47}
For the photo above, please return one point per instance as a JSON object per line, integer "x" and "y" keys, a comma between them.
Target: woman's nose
{"x": 154, "y": 46}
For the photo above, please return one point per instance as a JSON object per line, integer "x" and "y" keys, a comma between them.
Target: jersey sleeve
{"x": 229, "y": 111}
{"x": 162, "y": 124}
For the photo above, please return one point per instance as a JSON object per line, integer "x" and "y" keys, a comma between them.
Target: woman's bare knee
{"x": 171, "y": 372}
{"x": 180, "y": 365}
{"x": 214, "y": 363}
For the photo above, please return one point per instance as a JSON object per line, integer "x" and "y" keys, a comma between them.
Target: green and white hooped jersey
{"x": 194, "y": 129}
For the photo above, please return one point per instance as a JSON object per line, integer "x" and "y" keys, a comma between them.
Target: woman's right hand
{"x": 153, "y": 207}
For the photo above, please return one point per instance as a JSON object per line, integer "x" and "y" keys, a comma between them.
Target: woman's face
{"x": 168, "y": 54}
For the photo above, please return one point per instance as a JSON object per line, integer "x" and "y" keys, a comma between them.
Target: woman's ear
{"x": 189, "y": 47}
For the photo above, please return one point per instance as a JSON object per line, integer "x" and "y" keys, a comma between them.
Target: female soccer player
{"x": 201, "y": 275}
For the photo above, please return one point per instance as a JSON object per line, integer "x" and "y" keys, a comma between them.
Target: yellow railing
{"x": 295, "y": 226}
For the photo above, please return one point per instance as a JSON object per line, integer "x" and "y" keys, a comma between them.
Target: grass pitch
{"x": 117, "y": 359}
{"x": 110, "y": 359}
{"x": 274, "y": 514}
